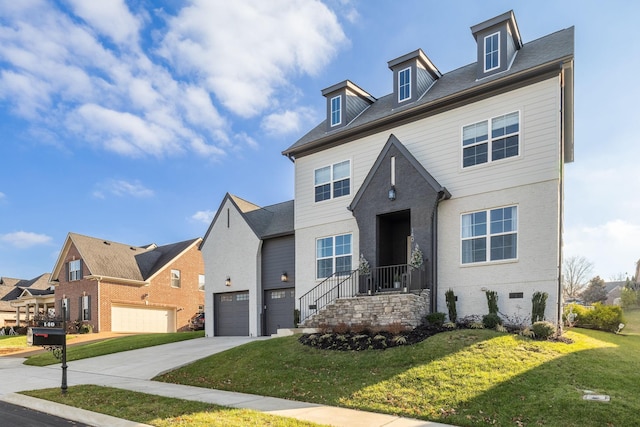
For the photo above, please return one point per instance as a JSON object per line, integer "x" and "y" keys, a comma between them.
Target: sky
{"x": 130, "y": 120}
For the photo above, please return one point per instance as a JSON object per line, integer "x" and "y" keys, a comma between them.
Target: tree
{"x": 595, "y": 292}
{"x": 575, "y": 271}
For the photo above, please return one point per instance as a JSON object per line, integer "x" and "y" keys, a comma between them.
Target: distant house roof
{"x": 105, "y": 258}
{"x": 11, "y": 289}
{"x": 538, "y": 56}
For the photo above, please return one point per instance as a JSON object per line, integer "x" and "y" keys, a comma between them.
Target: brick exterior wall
{"x": 378, "y": 310}
{"x": 185, "y": 301}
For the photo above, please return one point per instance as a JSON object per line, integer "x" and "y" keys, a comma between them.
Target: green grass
{"x": 112, "y": 345}
{"x": 160, "y": 411}
{"x": 632, "y": 319}
{"x": 464, "y": 377}
{"x": 9, "y": 343}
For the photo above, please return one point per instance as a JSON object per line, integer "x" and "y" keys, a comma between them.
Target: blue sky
{"x": 130, "y": 120}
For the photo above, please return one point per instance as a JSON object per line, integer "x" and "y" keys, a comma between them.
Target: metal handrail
{"x": 339, "y": 284}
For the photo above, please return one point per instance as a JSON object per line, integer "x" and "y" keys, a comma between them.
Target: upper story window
{"x": 336, "y": 110}
{"x": 75, "y": 270}
{"x": 404, "y": 84}
{"x": 492, "y": 52}
{"x": 333, "y": 255}
{"x": 490, "y": 235}
{"x": 332, "y": 181}
{"x": 201, "y": 282}
{"x": 478, "y": 148}
{"x": 175, "y": 278}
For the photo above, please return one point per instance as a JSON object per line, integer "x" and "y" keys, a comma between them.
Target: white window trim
{"x": 484, "y": 56}
{"x": 334, "y": 256}
{"x": 85, "y": 307}
{"x": 75, "y": 275}
{"x": 490, "y": 141}
{"x": 487, "y": 237}
{"x": 339, "y": 110}
{"x": 410, "y": 88}
{"x": 332, "y": 181}
{"x": 179, "y": 277}
{"x": 202, "y": 284}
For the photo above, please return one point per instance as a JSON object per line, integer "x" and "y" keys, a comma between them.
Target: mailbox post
{"x": 55, "y": 340}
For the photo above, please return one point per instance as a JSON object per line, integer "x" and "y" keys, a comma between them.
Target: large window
{"x": 404, "y": 84}
{"x": 490, "y": 235}
{"x": 336, "y": 110}
{"x": 478, "y": 147}
{"x": 175, "y": 278}
{"x": 75, "y": 270}
{"x": 332, "y": 181}
{"x": 333, "y": 255}
{"x": 492, "y": 52}
{"x": 85, "y": 307}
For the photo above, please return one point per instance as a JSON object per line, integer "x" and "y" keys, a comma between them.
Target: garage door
{"x": 137, "y": 319}
{"x": 231, "y": 314}
{"x": 279, "y": 305}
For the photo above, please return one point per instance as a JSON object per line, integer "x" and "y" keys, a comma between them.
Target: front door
{"x": 394, "y": 231}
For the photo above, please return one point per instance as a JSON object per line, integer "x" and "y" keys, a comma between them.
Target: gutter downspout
{"x": 442, "y": 195}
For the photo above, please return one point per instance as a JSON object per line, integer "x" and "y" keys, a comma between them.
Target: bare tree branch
{"x": 575, "y": 273}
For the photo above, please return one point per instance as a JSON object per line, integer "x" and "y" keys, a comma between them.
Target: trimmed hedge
{"x": 602, "y": 317}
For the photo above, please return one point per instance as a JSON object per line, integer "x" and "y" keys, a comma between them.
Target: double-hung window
{"x": 492, "y": 52}
{"x": 332, "y": 181}
{"x": 490, "y": 235}
{"x": 333, "y": 255}
{"x": 175, "y": 278}
{"x": 85, "y": 307}
{"x": 336, "y": 110}
{"x": 74, "y": 270}
{"x": 404, "y": 84}
{"x": 479, "y": 146}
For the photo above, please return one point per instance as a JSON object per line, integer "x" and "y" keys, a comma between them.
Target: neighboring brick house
{"x": 21, "y": 299}
{"x": 124, "y": 288}
{"x": 249, "y": 259}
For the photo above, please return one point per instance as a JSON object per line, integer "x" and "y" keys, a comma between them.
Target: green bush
{"x": 629, "y": 298}
{"x": 602, "y": 317}
{"x": 538, "y": 306}
{"x": 543, "y": 329}
{"x": 435, "y": 319}
{"x": 491, "y": 320}
{"x": 451, "y": 305}
{"x": 492, "y": 301}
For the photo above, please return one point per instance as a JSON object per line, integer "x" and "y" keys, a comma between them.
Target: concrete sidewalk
{"x": 133, "y": 370}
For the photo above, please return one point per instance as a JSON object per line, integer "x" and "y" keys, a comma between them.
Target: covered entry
{"x": 142, "y": 319}
{"x": 231, "y": 314}
{"x": 279, "y": 305}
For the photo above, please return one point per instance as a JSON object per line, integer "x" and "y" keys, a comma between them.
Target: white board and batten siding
{"x": 232, "y": 250}
{"x": 530, "y": 180}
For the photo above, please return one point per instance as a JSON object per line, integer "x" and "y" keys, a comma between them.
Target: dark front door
{"x": 394, "y": 231}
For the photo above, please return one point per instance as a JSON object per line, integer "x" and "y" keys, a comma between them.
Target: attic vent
{"x": 132, "y": 248}
{"x": 106, "y": 243}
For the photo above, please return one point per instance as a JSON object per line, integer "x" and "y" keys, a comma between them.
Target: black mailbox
{"x": 48, "y": 336}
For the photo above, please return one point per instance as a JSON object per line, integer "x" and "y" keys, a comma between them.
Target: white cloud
{"x": 111, "y": 18}
{"x": 122, "y": 188}
{"x": 243, "y": 52}
{"x": 613, "y": 247}
{"x": 288, "y": 121}
{"x": 203, "y": 216}
{"x": 25, "y": 239}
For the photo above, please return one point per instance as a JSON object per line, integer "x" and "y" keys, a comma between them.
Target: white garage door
{"x": 136, "y": 319}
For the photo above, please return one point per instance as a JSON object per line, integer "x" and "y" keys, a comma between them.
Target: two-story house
{"x": 466, "y": 166}
{"x": 124, "y": 288}
{"x": 452, "y": 181}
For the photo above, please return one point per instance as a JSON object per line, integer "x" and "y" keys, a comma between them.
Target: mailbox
{"x": 48, "y": 336}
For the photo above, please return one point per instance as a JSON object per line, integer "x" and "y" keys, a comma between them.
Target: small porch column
{"x": 17, "y": 316}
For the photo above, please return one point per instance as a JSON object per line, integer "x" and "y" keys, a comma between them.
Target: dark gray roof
{"x": 454, "y": 86}
{"x": 153, "y": 261}
{"x": 272, "y": 221}
{"x": 10, "y": 289}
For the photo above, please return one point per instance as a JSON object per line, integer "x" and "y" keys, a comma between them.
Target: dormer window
{"x": 492, "y": 52}
{"x": 404, "y": 84}
{"x": 336, "y": 110}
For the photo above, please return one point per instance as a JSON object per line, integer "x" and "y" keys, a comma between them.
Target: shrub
{"x": 341, "y": 328}
{"x": 85, "y": 328}
{"x": 543, "y": 329}
{"x": 491, "y": 320}
{"x": 435, "y": 319}
{"x": 538, "y": 306}
{"x": 629, "y": 298}
{"x": 602, "y": 317}
{"x": 492, "y": 301}
{"x": 451, "y": 305}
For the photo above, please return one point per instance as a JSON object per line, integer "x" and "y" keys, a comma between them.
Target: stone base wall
{"x": 377, "y": 310}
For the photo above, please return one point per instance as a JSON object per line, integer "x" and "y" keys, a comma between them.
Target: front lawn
{"x": 112, "y": 345}
{"x": 158, "y": 410}
{"x": 463, "y": 377}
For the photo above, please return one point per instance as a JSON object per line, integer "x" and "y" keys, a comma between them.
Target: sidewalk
{"x": 133, "y": 370}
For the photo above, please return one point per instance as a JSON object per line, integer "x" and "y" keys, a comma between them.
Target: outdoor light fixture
{"x": 228, "y": 281}
{"x": 284, "y": 277}
{"x": 392, "y": 193}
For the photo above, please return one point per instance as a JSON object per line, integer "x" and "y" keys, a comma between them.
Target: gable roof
{"x": 105, "y": 258}
{"x": 266, "y": 222}
{"x": 11, "y": 289}
{"x": 534, "y": 59}
{"x": 394, "y": 142}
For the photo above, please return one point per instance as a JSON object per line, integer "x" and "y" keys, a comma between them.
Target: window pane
{"x": 503, "y": 220}
{"x": 475, "y": 155}
{"x": 343, "y": 264}
{"x": 323, "y": 175}
{"x": 324, "y": 247}
{"x": 343, "y": 244}
{"x": 505, "y": 125}
{"x": 323, "y": 192}
{"x": 336, "y": 107}
{"x": 404, "y": 84}
{"x": 325, "y": 267}
{"x": 474, "y": 224}
{"x": 474, "y": 250}
{"x": 341, "y": 170}
{"x": 503, "y": 247}
{"x": 475, "y": 133}
{"x": 341, "y": 188}
{"x": 503, "y": 148}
